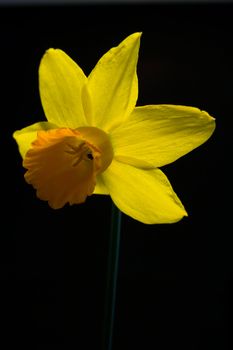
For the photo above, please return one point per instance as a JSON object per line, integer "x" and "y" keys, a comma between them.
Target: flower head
{"x": 95, "y": 140}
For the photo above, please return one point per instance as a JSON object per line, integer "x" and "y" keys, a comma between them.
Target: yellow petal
{"x": 113, "y": 85}
{"x": 100, "y": 187}
{"x": 145, "y": 195}
{"x": 26, "y": 136}
{"x": 157, "y": 135}
{"x": 61, "y": 81}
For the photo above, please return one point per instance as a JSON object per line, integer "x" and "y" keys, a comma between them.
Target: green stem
{"x": 112, "y": 272}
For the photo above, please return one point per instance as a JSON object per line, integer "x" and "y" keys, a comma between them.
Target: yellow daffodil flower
{"x": 97, "y": 142}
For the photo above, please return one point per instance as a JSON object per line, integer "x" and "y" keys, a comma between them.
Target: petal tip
{"x": 210, "y": 120}
{"x": 51, "y": 52}
{"x": 14, "y": 135}
{"x": 134, "y": 37}
{"x": 208, "y": 116}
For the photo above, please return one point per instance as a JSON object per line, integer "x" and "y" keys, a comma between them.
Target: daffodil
{"x": 96, "y": 141}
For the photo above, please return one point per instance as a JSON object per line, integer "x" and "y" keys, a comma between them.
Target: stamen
{"x": 74, "y": 149}
{"x": 80, "y": 152}
{"x": 62, "y": 164}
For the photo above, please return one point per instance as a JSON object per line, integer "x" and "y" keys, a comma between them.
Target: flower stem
{"x": 112, "y": 272}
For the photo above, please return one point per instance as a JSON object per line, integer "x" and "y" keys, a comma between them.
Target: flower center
{"x": 62, "y": 164}
{"x": 97, "y": 141}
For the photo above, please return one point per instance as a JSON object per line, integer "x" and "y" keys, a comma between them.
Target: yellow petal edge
{"x": 145, "y": 195}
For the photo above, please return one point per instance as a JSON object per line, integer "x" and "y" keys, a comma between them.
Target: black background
{"x": 175, "y": 281}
